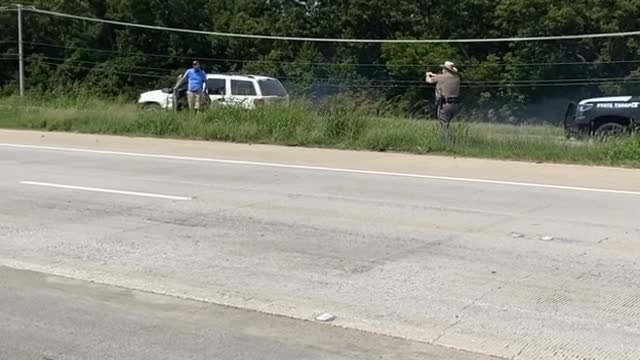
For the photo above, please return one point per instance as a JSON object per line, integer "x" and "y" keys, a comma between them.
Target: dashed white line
{"x": 330, "y": 169}
{"x": 108, "y": 191}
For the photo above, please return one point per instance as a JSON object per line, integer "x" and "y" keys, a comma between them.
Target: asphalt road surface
{"x": 48, "y": 317}
{"x": 453, "y": 258}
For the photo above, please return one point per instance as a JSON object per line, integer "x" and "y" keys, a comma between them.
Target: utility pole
{"x": 19, "y": 8}
{"x": 20, "y": 52}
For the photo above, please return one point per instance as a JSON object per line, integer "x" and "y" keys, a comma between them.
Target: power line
{"x": 228, "y": 60}
{"x": 101, "y": 63}
{"x": 373, "y": 85}
{"x": 107, "y": 70}
{"x": 390, "y": 65}
{"x": 475, "y": 86}
{"x": 519, "y": 64}
{"x": 385, "y": 83}
{"x": 333, "y": 40}
{"x": 154, "y": 55}
{"x": 586, "y": 83}
{"x": 391, "y": 81}
{"x": 497, "y": 82}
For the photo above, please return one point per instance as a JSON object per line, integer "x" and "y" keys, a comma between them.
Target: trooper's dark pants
{"x": 446, "y": 113}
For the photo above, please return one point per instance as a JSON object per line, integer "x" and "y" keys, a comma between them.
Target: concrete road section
{"x": 49, "y": 317}
{"x": 513, "y": 260}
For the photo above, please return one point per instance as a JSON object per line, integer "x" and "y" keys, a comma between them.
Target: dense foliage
{"x": 65, "y": 55}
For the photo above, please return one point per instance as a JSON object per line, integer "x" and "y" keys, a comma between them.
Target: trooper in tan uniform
{"x": 447, "y": 95}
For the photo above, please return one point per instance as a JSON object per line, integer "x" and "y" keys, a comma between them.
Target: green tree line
{"x": 72, "y": 56}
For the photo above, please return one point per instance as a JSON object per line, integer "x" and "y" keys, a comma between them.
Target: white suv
{"x": 246, "y": 91}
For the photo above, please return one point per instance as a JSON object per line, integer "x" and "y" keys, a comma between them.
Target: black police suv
{"x": 603, "y": 116}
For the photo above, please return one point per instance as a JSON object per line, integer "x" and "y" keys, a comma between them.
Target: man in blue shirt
{"x": 195, "y": 78}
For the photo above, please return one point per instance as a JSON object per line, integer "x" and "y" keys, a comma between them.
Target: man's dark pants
{"x": 446, "y": 113}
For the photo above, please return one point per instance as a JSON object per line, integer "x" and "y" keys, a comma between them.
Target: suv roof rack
{"x": 238, "y": 74}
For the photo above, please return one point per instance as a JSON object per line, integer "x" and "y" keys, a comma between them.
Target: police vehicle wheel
{"x": 610, "y": 130}
{"x": 568, "y": 134}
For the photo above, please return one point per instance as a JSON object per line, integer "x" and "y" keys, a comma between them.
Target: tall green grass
{"x": 303, "y": 124}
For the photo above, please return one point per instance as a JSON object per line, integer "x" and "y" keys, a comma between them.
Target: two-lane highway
{"x": 512, "y": 260}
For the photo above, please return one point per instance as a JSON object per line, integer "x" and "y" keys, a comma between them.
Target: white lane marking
{"x": 330, "y": 169}
{"x": 108, "y": 191}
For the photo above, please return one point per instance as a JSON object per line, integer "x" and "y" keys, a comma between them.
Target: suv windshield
{"x": 272, "y": 87}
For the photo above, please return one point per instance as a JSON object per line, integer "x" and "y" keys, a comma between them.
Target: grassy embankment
{"x": 304, "y": 125}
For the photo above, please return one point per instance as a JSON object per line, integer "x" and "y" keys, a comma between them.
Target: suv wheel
{"x": 150, "y": 107}
{"x": 609, "y": 130}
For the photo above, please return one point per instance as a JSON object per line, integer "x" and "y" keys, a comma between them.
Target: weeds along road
{"x": 468, "y": 258}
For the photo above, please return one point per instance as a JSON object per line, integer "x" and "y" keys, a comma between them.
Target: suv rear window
{"x": 216, "y": 86}
{"x": 272, "y": 87}
{"x": 242, "y": 88}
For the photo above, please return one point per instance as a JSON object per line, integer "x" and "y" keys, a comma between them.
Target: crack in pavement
{"x": 520, "y": 352}
{"x": 461, "y": 314}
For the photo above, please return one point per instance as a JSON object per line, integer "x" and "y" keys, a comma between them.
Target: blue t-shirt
{"x": 195, "y": 79}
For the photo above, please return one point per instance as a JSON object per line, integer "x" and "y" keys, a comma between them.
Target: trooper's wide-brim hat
{"x": 450, "y": 66}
